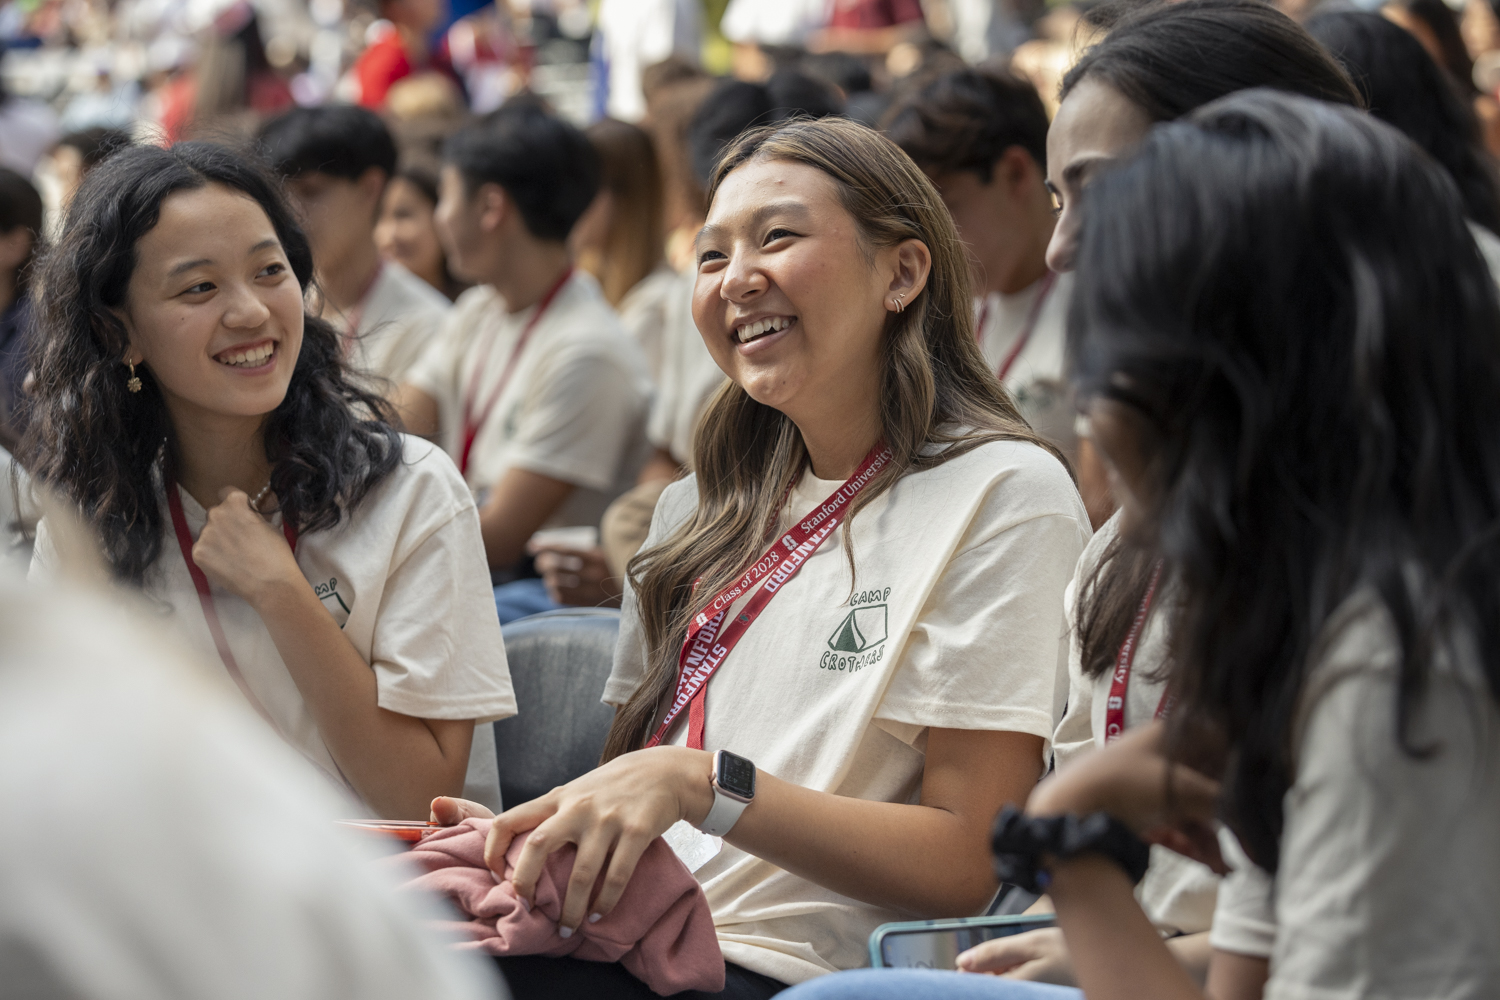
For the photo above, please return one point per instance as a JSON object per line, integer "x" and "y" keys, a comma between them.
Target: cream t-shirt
{"x": 953, "y": 620}
{"x": 397, "y": 319}
{"x": 1177, "y": 893}
{"x": 688, "y": 378}
{"x": 644, "y": 310}
{"x": 1037, "y": 378}
{"x": 404, "y": 576}
{"x": 574, "y": 408}
{"x": 1389, "y": 881}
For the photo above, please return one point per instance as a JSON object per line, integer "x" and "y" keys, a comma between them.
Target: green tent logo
{"x": 860, "y": 629}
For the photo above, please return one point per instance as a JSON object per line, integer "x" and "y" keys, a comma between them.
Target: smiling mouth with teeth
{"x": 761, "y": 327}
{"x": 252, "y": 358}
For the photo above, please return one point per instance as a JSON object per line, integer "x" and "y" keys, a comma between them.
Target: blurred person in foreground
{"x": 337, "y": 161}
{"x": 981, "y": 135}
{"x": 163, "y": 844}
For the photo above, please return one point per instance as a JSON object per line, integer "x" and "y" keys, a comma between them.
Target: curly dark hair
{"x": 110, "y": 451}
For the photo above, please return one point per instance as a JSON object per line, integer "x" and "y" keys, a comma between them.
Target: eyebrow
{"x": 1075, "y": 170}
{"x": 188, "y": 265}
{"x": 759, "y": 215}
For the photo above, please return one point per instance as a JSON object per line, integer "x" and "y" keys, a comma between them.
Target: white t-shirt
{"x": 954, "y": 620}
{"x": 643, "y": 310}
{"x": 405, "y": 578}
{"x": 161, "y": 843}
{"x": 574, "y": 408}
{"x": 1177, "y": 893}
{"x": 1389, "y": 881}
{"x": 397, "y": 319}
{"x": 774, "y": 22}
{"x": 688, "y": 378}
{"x": 1037, "y": 379}
{"x": 640, "y": 33}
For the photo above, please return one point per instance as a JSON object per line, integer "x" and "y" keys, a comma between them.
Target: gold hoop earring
{"x": 132, "y": 384}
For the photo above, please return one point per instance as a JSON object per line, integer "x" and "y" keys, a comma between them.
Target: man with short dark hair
{"x": 337, "y": 161}
{"x": 534, "y": 387}
{"x": 981, "y": 135}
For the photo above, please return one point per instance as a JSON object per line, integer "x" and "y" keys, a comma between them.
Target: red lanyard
{"x": 1114, "y": 709}
{"x": 473, "y": 422}
{"x": 206, "y": 597}
{"x": 1031, "y": 317}
{"x": 351, "y": 331}
{"x": 705, "y": 648}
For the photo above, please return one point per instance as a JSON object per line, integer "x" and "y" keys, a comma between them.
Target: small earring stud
{"x": 132, "y": 384}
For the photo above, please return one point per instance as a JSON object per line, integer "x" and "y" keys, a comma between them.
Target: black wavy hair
{"x": 330, "y": 441}
{"x": 967, "y": 119}
{"x": 1287, "y": 294}
{"x": 544, "y": 164}
{"x": 1402, "y": 85}
{"x": 1171, "y": 58}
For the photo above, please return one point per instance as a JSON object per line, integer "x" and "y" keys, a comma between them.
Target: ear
{"x": 1016, "y": 170}
{"x": 371, "y": 185}
{"x": 492, "y": 206}
{"x": 910, "y": 263}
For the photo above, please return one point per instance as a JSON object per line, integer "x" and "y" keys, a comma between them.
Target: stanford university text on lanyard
{"x": 1119, "y": 682}
{"x": 206, "y": 596}
{"x": 474, "y": 421}
{"x": 708, "y": 642}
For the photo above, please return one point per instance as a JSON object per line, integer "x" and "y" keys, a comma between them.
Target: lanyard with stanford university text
{"x": 1119, "y": 683}
{"x": 708, "y": 642}
{"x": 206, "y": 597}
{"x": 472, "y": 421}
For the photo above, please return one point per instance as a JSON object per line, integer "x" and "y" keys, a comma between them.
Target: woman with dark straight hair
{"x": 1287, "y": 343}
{"x": 206, "y": 428}
{"x": 1402, "y": 85}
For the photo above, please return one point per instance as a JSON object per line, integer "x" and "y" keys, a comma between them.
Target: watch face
{"x": 736, "y": 775}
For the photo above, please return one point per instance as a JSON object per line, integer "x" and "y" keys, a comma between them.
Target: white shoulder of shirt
{"x": 408, "y": 293}
{"x": 428, "y": 480}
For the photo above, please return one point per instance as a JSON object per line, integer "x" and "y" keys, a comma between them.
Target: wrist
{"x": 694, "y": 783}
{"x": 276, "y": 593}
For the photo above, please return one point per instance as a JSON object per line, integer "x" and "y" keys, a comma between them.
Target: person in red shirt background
{"x": 403, "y": 49}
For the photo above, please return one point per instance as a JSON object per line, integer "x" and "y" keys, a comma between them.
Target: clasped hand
{"x": 612, "y": 814}
{"x": 238, "y": 550}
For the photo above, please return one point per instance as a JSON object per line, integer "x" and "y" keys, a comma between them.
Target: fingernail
{"x": 594, "y": 918}
{"x": 565, "y": 932}
{"x": 525, "y": 902}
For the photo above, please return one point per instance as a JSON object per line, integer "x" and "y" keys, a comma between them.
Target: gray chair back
{"x": 559, "y": 661}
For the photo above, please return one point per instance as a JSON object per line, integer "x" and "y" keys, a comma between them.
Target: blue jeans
{"x": 521, "y": 598}
{"x": 907, "y": 984}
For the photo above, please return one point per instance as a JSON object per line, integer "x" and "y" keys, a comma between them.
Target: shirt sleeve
{"x": 581, "y": 428}
{"x": 437, "y": 650}
{"x": 435, "y": 370}
{"x": 676, "y": 504}
{"x": 988, "y": 651}
{"x": 1244, "y": 915}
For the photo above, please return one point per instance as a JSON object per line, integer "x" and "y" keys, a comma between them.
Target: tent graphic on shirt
{"x": 860, "y": 629}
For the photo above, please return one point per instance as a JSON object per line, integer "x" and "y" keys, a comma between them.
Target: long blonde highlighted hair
{"x": 938, "y": 399}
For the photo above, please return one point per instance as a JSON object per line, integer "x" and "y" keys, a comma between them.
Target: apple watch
{"x": 734, "y": 788}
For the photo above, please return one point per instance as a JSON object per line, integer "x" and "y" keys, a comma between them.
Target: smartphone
{"x": 936, "y": 944}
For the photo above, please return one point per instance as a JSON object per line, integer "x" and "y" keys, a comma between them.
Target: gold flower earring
{"x": 132, "y": 384}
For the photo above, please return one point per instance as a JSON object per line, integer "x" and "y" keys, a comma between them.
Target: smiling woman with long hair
{"x": 207, "y": 429}
{"x": 857, "y": 596}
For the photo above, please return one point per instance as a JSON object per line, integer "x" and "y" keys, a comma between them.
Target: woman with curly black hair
{"x": 207, "y": 429}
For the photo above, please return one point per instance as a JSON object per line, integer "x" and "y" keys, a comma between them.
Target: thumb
{"x": 449, "y": 811}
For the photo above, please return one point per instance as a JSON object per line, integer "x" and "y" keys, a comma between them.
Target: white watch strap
{"x": 724, "y": 814}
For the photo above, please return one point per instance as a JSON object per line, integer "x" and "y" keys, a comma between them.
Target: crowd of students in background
{"x": 1119, "y": 453}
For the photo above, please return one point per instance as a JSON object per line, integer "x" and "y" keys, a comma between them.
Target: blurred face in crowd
{"x": 214, "y": 311}
{"x": 989, "y": 211}
{"x": 406, "y": 232}
{"x": 1095, "y": 126}
{"x": 338, "y": 214}
{"x": 464, "y": 221}
{"x": 788, "y": 300}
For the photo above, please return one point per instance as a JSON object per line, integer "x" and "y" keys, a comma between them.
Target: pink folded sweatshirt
{"x": 661, "y": 931}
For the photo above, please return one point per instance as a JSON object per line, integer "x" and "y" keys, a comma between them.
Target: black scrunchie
{"x": 1020, "y": 841}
